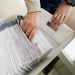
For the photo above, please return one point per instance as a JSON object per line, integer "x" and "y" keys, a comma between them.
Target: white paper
{"x": 17, "y": 54}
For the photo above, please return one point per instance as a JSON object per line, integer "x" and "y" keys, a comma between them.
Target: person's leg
{"x": 56, "y": 4}
{"x": 46, "y": 4}
{"x": 50, "y": 5}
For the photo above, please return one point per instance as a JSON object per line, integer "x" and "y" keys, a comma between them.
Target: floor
{"x": 58, "y": 69}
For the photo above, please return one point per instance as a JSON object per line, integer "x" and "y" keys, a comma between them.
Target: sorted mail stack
{"x": 17, "y": 54}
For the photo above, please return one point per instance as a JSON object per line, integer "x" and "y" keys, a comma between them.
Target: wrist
{"x": 34, "y": 12}
{"x": 66, "y": 4}
{"x": 70, "y": 2}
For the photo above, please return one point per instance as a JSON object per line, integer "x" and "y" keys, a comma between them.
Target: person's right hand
{"x": 31, "y": 24}
{"x": 61, "y": 14}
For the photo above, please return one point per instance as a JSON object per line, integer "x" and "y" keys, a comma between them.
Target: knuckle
{"x": 32, "y": 34}
{"x": 36, "y": 26}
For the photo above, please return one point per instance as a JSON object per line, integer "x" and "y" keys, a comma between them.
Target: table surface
{"x": 61, "y": 44}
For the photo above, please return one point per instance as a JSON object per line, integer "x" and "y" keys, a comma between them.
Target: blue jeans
{"x": 50, "y": 5}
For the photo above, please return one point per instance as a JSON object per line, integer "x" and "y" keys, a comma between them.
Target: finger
{"x": 29, "y": 30}
{"x": 37, "y": 46}
{"x": 25, "y": 27}
{"x": 56, "y": 20}
{"x": 21, "y": 23}
{"x": 54, "y": 17}
{"x": 65, "y": 19}
{"x": 32, "y": 34}
{"x": 62, "y": 19}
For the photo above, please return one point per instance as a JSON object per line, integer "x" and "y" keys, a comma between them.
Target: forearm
{"x": 33, "y": 5}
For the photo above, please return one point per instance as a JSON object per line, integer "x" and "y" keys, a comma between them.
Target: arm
{"x": 32, "y": 5}
{"x": 31, "y": 21}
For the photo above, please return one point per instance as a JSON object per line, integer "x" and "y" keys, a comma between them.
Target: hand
{"x": 62, "y": 14}
{"x": 31, "y": 23}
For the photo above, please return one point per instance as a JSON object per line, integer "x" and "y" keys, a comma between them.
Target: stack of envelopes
{"x": 17, "y": 54}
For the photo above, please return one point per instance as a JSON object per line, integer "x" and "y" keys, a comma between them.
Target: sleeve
{"x": 33, "y": 5}
{"x": 71, "y": 2}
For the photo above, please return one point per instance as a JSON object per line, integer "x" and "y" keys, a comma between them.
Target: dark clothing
{"x": 50, "y": 5}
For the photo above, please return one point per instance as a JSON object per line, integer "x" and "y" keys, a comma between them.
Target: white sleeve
{"x": 32, "y": 5}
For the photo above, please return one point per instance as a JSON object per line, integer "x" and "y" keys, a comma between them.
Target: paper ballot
{"x": 17, "y": 54}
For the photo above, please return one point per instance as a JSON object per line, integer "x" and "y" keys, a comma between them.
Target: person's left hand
{"x": 31, "y": 23}
{"x": 62, "y": 14}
